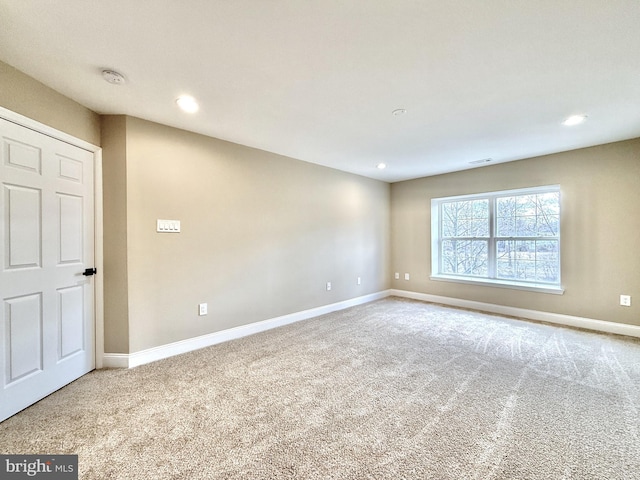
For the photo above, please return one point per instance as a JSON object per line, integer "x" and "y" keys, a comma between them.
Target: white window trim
{"x": 490, "y": 282}
{"x": 436, "y": 226}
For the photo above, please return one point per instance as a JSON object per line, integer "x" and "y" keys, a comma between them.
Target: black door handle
{"x": 90, "y": 271}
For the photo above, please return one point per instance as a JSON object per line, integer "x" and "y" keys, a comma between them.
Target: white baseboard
{"x": 123, "y": 360}
{"x": 115, "y": 360}
{"x": 557, "y": 318}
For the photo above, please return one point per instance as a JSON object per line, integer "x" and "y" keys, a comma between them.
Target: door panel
{"x": 22, "y": 248}
{"x": 20, "y": 155}
{"x": 71, "y": 301}
{"x": 47, "y": 240}
{"x": 24, "y": 343}
{"x": 71, "y": 228}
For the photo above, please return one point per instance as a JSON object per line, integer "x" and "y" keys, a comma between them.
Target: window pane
{"x": 516, "y": 259}
{"x": 505, "y": 256}
{"x": 548, "y": 212}
{"x": 465, "y": 219}
{"x": 549, "y": 203}
{"x": 534, "y": 260}
{"x": 506, "y": 217}
{"x": 465, "y": 257}
{"x": 532, "y": 215}
{"x": 526, "y": 225}
{"x": 548, "y": 225}
{"x": 547, "y": 261}
{"x": 479, "y": 228}
{"x": 525, "y": 205}
{"x": 450, "y": 217}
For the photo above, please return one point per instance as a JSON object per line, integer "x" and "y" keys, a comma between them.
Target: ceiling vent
{"x": 478, "y": 162}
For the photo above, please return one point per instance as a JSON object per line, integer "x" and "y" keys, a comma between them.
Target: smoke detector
{"x": 113, "y": 77}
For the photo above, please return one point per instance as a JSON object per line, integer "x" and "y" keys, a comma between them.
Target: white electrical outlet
{"x": 406, "y": 276}
{"x": 328, "y": 286}
{"x": 359, "y": 281}
{"x": 397, "y": 276}
{"x": 202, "y": 309}
{"x": 625, "y": 300}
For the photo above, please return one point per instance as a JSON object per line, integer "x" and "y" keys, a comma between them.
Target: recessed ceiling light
{"x": 113, "y": 77}
{"x": 574, "y": 120}
{"x": 381, "y": 166}
{"x": 187, "y": 104}
{"x": 398, "y": 111}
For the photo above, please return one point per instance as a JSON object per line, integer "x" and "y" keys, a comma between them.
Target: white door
{"x": 46, "y": 242}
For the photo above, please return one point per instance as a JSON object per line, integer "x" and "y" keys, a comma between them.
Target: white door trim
{"x": 97, "y": 160}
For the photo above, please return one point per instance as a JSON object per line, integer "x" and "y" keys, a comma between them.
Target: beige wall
{"x": 600, "y": 230}
{"x": 26, "y": 96}
{"x": 261, "y": 234}
{"x": 114, "y": 186}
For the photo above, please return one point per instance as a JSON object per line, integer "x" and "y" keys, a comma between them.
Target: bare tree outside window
{"x": 465, "y": 237}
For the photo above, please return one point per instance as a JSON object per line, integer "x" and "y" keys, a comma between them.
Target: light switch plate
{"x": 168, "y": 226}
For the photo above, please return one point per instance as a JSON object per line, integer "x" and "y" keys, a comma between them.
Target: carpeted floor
{"x": 394, "y": 389}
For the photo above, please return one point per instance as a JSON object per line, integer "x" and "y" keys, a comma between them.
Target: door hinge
{"x": 90, "y": 271}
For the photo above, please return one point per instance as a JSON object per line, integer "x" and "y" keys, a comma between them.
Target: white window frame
{"x": 490, "y": 280}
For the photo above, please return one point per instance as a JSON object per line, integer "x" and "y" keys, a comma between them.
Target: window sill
{"x": 531, "y": 287}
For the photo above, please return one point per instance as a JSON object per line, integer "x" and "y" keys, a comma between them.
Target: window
{"x": 509, "y": 238}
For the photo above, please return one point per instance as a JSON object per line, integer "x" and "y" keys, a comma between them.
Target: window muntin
{"x": 510, "y": 237}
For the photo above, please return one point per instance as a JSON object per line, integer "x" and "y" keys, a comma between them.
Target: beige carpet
{"x": 395, "y": 389}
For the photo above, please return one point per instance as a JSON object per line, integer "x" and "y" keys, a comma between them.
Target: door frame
{"x": 98, "y": 283}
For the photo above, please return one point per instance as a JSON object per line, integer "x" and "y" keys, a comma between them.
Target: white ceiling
{"x": 318, "y": 80}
